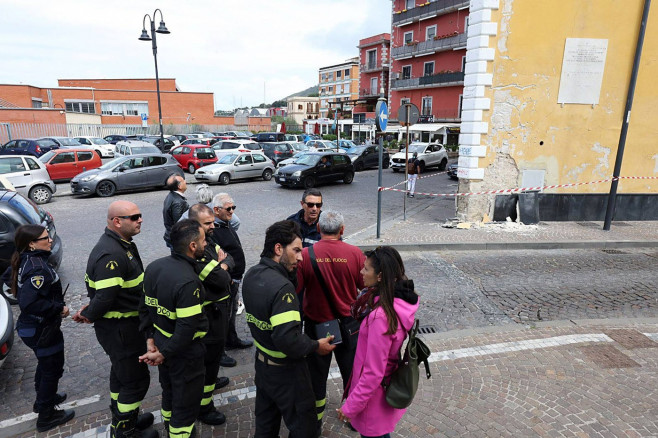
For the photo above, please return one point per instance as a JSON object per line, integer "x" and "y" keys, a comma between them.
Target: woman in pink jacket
{"x": 387, "y": 309}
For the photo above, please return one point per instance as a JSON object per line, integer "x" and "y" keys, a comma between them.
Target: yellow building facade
{"x": 533, "y": 113}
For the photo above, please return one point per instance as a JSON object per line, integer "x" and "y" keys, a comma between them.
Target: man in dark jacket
{"x": 173, "y": 321}
{"x": 308, "y": 216}
{"x": 212, "y": 268}
{"x": 283, "y": 382}
{"x": 114, "y": 284}
{"x": 175, "y": 204}
{"x": 226, "y": 237}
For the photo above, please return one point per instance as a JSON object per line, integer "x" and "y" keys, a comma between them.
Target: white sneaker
{"x": 240, "y": 308}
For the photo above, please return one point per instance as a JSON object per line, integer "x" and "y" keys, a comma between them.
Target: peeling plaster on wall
{"x": 573, "y": 174}
{"x": 504, "y": 27}
{"x": 603, "y": 168}
{"x": 506, "y": 106}
{"x": 503, "y": 173}
{"x": 655, "y": 167}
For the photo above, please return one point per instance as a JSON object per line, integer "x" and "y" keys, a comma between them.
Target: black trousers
{"x": 284, "y": 391}
{"x": 232, "y": 334}
{"x": 181, "y": 377}
{"x": 318, "y": 367}
{"x": 123, "y": 343}
{"x": 218, "y": 323}
{"x": 46, "y": 379}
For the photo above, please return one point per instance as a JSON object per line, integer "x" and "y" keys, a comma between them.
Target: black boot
{"x": 59, "y": 398}
{"x": 124, "y": 425}
{"x": 144, "y": 421}
{"x": 51, "y": 417}
{"x": 212, "y": 417}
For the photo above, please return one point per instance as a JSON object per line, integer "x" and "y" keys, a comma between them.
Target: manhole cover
{"x": 426, "y": 329}
{"x": 631, "y": 339}
{"x": 607, "y": 356}
{"x": 613, "y": 251}
{"x": 588, "y": 224}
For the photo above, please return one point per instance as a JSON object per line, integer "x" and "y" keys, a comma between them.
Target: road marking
{"x": 249, "y": 392}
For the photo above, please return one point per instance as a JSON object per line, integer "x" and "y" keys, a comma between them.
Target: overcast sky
{"x": 239, "y": 50}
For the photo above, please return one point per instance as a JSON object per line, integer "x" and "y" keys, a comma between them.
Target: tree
{"x": 279, "y": 103}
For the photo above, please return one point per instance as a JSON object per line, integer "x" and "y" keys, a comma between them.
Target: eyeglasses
{"x": 132, "y": 217}
{"x": 313, "y": 204}
{"x": 229, "y": 209}
{"x": 41, "y": 238}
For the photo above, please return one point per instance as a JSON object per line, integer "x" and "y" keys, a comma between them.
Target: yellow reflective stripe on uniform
{"x": 125, "y": 408}
{"x": 225, "y": 298}
{"x": 260, "y": 325}
{"x": 166, "y": 415}
{"x": 199, "y": 335}
{"x": 270, "y": 352}
{"x": 320, "y": 415}
{"x": 153, "y": 302}
{"x": 282, "y": 318}
{"x": 180, "y": 432}
{"x": 320, "y": 403}
{"x": 114, "y": 281}
{"x": 185, "y": 312}
{"x": 121, "y": 314}
{"x": 206, "y": 401}
{"x": 114, "y": 396}
{"x": 209, "y": 388}
{"x": 209, "y": 267}
{"x": 167, "y": 334}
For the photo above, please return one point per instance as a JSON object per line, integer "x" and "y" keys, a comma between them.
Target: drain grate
{"x": 588, "y": 224}
{"x": 613, "y": 251}
{"x": 427, "y": 329}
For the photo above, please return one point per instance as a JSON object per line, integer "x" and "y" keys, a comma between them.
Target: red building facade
{"x": 428, "y": 52}
{"x": 374, "y": 61}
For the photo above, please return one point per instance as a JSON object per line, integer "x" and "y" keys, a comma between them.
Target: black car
{"x": 277, "y": 151}
{"x": 114, "y": 139}
{"x": 364, "y": 157}
{"x": 316, "y": 168}
{"x": 270, "y": 136}
{"x": 155, "y": 140}
{"x": 452, "y": 171}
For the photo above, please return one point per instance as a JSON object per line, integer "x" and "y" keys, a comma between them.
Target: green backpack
{"x": 402, "y": 385}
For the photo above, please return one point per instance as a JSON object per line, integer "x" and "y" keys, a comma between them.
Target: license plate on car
{"x": 282, "y": 178}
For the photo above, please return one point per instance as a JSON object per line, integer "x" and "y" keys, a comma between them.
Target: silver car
{"x": 237, "y": 165}
{"x": 29, "y": 177}
{"x": 126, "y": 173}
{"x": 134, "y": 147}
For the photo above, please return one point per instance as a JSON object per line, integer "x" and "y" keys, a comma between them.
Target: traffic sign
{"x": 413, "y": 115}
{"x": 381, "y": 115}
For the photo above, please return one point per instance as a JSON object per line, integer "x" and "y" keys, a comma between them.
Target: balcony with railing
{"x": 369, "y": 92}
{"x": 430, "y": 81}
{"x": 373, "y": 66}
{"x": 437, "y": 44}
{"x": 428, "y": 10}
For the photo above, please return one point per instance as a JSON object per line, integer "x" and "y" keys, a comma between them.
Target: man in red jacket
{"x": 339, "y": 264}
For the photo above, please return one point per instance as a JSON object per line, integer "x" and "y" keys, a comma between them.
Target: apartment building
{"x": 301, "y": 108}
{"x": 339, "y": 86}
{"x": 428, "y": 53}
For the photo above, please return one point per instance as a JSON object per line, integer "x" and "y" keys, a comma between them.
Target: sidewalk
{"x": 575, "y": 378}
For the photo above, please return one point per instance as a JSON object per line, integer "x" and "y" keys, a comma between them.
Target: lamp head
{"x": 162, "y": 28}
{"x": 145, "y": 36}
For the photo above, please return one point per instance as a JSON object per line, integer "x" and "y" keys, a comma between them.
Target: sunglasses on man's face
{"x": 229, "y": 209}
{"x": 313, "y": 204}
{"x": 132, "y": 217}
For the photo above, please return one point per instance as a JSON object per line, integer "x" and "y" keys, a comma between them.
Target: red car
{"x": 63, "y": 164}
{"x": 193, "y": 156}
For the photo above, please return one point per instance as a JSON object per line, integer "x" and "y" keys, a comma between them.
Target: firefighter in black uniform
{"x": 283, "y": 383}
{"x": 172, "y": 318}
{"x": 114, "y": 285}
{"x": 212, "y": 269}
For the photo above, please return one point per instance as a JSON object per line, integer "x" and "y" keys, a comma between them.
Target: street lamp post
{"x": 145, "y": 37}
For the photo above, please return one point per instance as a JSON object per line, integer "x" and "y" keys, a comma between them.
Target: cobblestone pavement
{"x": 564, "y": 381}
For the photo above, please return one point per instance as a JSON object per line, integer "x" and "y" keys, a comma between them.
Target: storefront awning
{"x": 430, "y": 127}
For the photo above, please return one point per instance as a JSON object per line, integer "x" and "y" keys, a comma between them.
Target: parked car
{"x": 6, "y": 329}
{"x": 103, "y": 148}
{"x": 29, "y": 176}
{"x": 182, "y": 137}
{"x": 64, "y": 164}
{"x": 429, "y": 154}
{"x": 126, "y": 173}
{"x": 134, "y": 147}
{"x": 64, "y": 142}
{"x": 277, "y": 151}
{"x": 155, "y": 141}
{"x": 15, "y": 211}
{"x": 204, "y": 134}
{"x": 115, "y": 138}
{"x": 309, "y": 170}
{"x": 322, "y": 144}
{"x": 452, "y": 171}
{"x": 298, "y": 146}
{"x": 28, "y": 146}
{"x": 364, "y": 157}
{"x": 193, "y": 156}
{"x": 202, "y": 141}
{"x": 237, "y": 165}
{"x": 225, "y": 147}
{"x": 173, "y": 139}
{"x": 270, "y": 136}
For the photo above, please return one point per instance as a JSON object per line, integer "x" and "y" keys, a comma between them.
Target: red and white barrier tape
{"x": 516, "y": 190}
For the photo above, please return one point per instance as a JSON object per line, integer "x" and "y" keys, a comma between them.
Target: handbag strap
{"x": 318, "y": 274}
{"x": 412, "y": 337}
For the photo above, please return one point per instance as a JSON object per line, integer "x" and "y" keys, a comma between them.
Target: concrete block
{"x": 468, "y": 162}
{"x": 475, "y": 104}
{"x": 483, "y": 15}
{"x": 478, "y": 5}
{"x": 475, "y": 67}
{"x": 474, "y": 127}
{"x": 482, "y": 29}
{"x": 463, "y": 173}
{"x": 472, "y": 151}
{"x": 478, "y": 79}
{"x": 480, "y": 55}
{"x": 473, "y": 91}
{"x": 469, "y": 139}
{"x": 477, "y": 42}
{"x": 472, "y": 116}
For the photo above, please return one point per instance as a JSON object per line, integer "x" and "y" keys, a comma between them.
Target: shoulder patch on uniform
{"x": 288, "y": 298}
{"x": 129, "y": 254}
{"x": 112, "y": 265}
{"x": 37, "y": 281}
